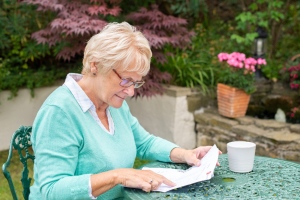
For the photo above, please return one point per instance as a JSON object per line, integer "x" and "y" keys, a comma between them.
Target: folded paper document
{"x": 191, "y": 175}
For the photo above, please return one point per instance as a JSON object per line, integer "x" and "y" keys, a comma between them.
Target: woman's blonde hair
{"x": 118, "y": 46}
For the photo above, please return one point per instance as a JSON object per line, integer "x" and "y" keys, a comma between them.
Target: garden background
{"x": 42, "y": 40}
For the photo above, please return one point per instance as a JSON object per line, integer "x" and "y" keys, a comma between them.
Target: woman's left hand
{"x": 192, "y": 157}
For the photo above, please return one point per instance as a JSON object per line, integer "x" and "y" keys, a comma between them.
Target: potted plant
{"x": 236, "y": 83}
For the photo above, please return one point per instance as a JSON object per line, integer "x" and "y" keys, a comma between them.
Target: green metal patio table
{"x": 270, "y": 179}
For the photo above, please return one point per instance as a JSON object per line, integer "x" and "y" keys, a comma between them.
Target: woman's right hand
{"x": 146, "y": 180}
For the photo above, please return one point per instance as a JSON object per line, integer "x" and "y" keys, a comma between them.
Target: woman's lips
{"x": 120, "y": 97}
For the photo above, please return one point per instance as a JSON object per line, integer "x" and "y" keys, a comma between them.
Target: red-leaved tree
{"x": 77, "y": 20}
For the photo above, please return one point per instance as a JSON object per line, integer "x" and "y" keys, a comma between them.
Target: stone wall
{"x": 273, "y": 139}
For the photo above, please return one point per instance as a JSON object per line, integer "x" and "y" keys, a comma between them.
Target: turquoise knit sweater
{"x": 69, "y": 145}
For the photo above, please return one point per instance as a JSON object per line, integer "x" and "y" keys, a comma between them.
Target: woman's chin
{"x": 117, "y": 103}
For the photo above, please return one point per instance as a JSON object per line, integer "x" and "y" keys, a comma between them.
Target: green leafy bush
{"x": 23, "y": 62}
{"x": 191, "y": 67}
{"x": 262, "y": 13}
{"x": 74, "y": 22}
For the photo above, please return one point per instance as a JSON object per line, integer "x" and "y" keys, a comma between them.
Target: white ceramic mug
{"x": 241, "y": 156}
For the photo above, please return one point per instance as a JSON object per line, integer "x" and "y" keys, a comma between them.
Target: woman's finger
{"x": 168, "y": 182}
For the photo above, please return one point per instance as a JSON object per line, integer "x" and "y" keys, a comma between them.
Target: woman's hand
{"x": 146, "y": 180}
{"x": 191, "y": 157}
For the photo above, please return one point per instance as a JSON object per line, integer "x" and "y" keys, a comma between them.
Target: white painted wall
{"x": 167, "y": 116}
{"x": 18, "y": 111}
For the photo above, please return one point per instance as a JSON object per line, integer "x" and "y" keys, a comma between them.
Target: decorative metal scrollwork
{"x": 20, "y": 142}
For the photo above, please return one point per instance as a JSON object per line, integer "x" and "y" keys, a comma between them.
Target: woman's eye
{"x": 125, "y": 81}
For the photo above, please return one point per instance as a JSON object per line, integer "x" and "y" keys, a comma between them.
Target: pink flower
{"x": 233, "y": 62}
{"x": 239, "y": 60}
{"x": 294, "y": 85}
{"x": 261, "y": 61}
{"x": 295, "y": 76}
{"x": 238, "y": 56}
{"x": 250, "y": 61}
{"x": 241, "y": 65}
{"x": 223, "y": 56}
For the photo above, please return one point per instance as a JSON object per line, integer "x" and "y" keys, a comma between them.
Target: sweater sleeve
{"x": 148, "y": 146}
{"x": 56, "y": 143}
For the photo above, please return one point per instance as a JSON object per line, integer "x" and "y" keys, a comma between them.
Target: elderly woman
{"x": 84, "y": 137}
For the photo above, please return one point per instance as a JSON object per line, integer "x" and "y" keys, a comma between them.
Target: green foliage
{"x": 237, "y": 78}
{"x": 188, "y": 9}
{"x": 288, "y": 43}
{"x": 260, "y": 14}
{"x": 23, "y": 62}
{"x": 272, "y": 70}
{"x": 188, "y": 71}
{"x": 15, "y": 79}
{"x": 281, "y": 21}
{"x": 191, "y": 67}
{"x": 193, "y": 10}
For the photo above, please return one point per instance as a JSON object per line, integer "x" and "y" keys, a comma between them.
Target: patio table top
{"x": 270, "y": 179}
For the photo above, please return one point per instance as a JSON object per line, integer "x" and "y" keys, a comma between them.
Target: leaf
{"x": 237, "y": 38}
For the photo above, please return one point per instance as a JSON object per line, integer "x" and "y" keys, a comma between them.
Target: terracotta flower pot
{"x": 232, "y": 102}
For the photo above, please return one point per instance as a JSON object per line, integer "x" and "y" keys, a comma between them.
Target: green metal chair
{"x": 21, "y": 142}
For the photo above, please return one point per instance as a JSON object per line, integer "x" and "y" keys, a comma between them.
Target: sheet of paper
{"x": 192, "y": 175}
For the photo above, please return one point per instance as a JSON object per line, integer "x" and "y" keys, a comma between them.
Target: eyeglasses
{"x": 127, "y": 82}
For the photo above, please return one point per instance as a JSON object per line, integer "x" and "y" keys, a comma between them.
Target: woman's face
{"x": 109, "y": 90}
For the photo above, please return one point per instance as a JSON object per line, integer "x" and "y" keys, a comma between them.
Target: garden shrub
{"x": 76, "y": 21}
{"x": 23, "y": 62}
{"x": 61, "y": 28}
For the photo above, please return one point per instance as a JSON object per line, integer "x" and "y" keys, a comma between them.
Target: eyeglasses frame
{"x": 136, "y": 84}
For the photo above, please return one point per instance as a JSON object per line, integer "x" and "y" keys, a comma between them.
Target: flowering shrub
{"x": 294, "y": 75}
{"x": 291, "y": 72}
{"x": 239, "y": 71}
{"x": 294, "y": 115}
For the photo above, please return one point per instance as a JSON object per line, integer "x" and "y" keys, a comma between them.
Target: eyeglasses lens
{"x": 126, "y": 83}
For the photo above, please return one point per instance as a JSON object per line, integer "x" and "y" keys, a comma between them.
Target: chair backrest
{"x": 21, "y": 142}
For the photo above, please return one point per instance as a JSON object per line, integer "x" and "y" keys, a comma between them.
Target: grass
{"x": 15, "y": 169}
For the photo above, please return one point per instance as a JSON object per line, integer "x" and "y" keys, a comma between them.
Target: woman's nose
{"x": 129, "y": 90}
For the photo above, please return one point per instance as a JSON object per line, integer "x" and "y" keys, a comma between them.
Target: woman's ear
{"x": 94, "y": 69}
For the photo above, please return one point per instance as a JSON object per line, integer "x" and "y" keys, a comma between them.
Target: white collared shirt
{"x": 84, "y": 101}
